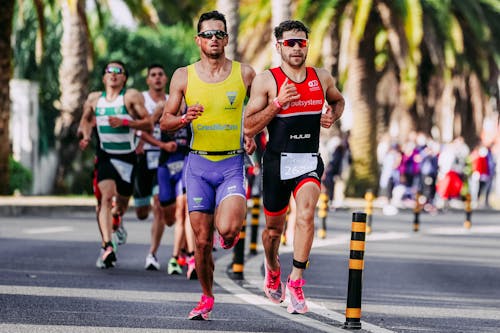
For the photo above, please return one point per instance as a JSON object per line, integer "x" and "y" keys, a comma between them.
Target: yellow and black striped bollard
{"x": 239, "y": 255}
{"x": 468, "y": 211}
{"x": 369, "y": 197}
{"x": 254, "y": 222}
{"x": 416, "y": 212}
{"x": 356, "y": 265}
{"x": 322, "y": 214}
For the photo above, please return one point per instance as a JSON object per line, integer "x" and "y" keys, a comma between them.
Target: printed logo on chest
{"x": 313, "y": 85}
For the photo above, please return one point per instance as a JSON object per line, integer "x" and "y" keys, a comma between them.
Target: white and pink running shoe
{"x": 273, "y": 287}
{"x": 203, "y": 309}
{"x": 297, "y": 299}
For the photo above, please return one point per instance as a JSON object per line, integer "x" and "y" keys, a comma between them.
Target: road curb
{"x": 21, "y": 210}
{"x": 11, "y": 206}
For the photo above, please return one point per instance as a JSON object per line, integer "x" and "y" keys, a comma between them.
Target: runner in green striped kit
{"x": 117, "y": 113}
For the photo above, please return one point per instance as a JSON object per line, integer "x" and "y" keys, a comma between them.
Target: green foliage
{"x": 172, "y": 12}
{"x": 81, "y": 178}
{"x": 20, "y": 177}
{"x": 45, "y": 72}
{"x": 173, "y": 47}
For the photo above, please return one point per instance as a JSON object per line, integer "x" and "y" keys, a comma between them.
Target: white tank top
{"x": 150, "y": 106}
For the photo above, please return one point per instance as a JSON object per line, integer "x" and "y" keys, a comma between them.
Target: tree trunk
{"x": 477, "y": 111}
{"x": 361, "y": 85}
{"x": 444, "y": 109}
{"x": 281, "y": 11}
{"x": 6, "y": 15}
{"x": 230, "y": 9}
{"x": 387, "y": 96}
{"x": 73, "y": 78}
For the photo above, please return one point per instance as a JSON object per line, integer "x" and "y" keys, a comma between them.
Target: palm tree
{"x": 455, "y": 69}
{"x": 461, "y": 44}
{"x": 230, "y": 9}
{"x": 359, "y": 87}
{"x": 281, "y": 11}
{"x": 73, "y": 79}
{"x": 173, "y": 12}
{"x": 256, "y": 31}
{"x": 6, "y": 16}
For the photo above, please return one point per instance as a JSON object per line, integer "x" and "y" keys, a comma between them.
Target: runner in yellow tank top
{"x": 214, "y": 89}
{"x": 220, "y": 128}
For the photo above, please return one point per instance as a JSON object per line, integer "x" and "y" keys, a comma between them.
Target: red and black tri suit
{"x": 295, "y": 129}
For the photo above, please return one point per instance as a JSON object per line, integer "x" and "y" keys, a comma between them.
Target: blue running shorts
{"x": 208, "y": 182}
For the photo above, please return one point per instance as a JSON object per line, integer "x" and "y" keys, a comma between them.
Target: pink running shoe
{"x": 203, "y": 309}
{"x": 227, "y": 246}
{"x": 297, "y": 300}
{"x": 273, "y": 287}
{"x": 191, "y": 271}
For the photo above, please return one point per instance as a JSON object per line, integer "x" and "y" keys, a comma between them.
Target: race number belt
{"x": 222, "y": 152}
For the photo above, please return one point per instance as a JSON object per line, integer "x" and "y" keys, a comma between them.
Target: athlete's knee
{"x": 167, "y": 215}
{"x": 305, "y": 216}
{"x": 119, "y": 204}
{"x": 107, "y": 200}
{"x": 272, "y": 232}
{"x": 142, "y": 212}
{"x": 169, "y": 221}
{"x": 229, "y": 235}
{"x": 203, "y": 245}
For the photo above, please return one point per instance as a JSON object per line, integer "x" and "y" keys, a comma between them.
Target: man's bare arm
{"x": 170, "y": 146}
{"x": 87, "y": 122}
{"x": 149, "y": 138}
{"x": 134, "y": 102}
{"x": 259, "y": 110}
{"x": 248, "y": 74}
{"x": 157, "y": 112}
{"x": 333, "y": 96}
{"x": 170, "y": 120}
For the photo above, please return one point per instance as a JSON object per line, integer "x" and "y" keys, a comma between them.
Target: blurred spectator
{"x": 339, "y": 160}
{"x": 410, "y": 164}
{"x": 482, "y": 172}
{"x": 428, "y": 173}
{"x": 389, "y": 174}
{"x": 452, "y": 166}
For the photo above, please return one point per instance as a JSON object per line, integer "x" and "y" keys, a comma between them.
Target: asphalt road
{"x": 443, "y": 278}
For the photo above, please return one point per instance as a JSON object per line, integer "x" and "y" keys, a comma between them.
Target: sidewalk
{"x": 44, "y": 205}
{"x": 50, "y": 205}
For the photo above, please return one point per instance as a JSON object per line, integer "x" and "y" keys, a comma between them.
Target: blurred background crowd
{"x": 438, "y": 174}
{"x": 410, "y": 71}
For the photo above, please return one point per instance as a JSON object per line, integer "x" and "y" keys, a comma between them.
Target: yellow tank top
{"x": 220, "y": 127}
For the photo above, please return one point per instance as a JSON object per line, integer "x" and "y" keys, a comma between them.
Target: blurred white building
{"x": 24, "y": 135}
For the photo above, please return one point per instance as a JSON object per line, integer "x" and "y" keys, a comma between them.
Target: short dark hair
{"x": 213, "y": 15}
{"x": 288, "y": 26}
{"x": 125, "y": 72}
{"x": 155, "y": 65}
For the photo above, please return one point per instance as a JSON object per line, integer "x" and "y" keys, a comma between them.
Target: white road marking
{"x": 47, "y": 230}
{"x": 252, "y": 275}
{"x": 484, "y": 229}
{"x": 20, "y": 328}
